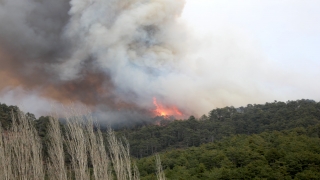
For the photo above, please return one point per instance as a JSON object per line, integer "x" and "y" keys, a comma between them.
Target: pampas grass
{"x": 56, "y": 168}
{"x": 21, "y": 151}
{"x": 21, "y": 155}
{"x": 160, "y": 173}
{"x": 97, "y": 151}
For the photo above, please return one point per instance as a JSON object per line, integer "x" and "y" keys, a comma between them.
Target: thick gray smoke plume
{"x": 116, "y": 56}
{"x": 103, "y": 53}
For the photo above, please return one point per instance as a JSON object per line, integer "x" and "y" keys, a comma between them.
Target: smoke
{"x": 115, "y": 56}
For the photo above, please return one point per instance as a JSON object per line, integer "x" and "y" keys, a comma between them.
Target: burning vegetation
{"x": 165, "y": 111}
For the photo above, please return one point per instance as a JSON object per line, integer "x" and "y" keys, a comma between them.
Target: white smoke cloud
{"x": 115, "y": 54}
{"x": 150, "y": 52}
{"x": 140, "y": 45}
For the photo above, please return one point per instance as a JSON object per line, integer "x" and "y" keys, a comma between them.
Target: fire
{"x": 165, "y": 111}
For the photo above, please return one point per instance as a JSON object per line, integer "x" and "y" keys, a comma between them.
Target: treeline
{"x": 219, "y": 123}
{"x": 6, "y": 115}
{"x": 289, "y": 154}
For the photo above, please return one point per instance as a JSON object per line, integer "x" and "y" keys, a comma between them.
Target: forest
{"x": 220, "y": 123}
{"x": 278, "y": 140}
{"x": 288, "y": 154}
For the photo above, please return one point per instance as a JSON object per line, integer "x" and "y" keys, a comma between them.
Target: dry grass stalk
{"x": 21, "y": 155}
{"x": 125, "y": 154}
{"x": 116, "y": 156}
{"x": 120, "y": 157}
{"x": 2, "y": 153}
{"x": 5, "y": 158}
{"x": 136, "y": 173}
{"x": 77, "y": 147}
{"x": 97, "y": 152}
{"x": 56, "y": 167}
{"x": 22, "y": 150}
{"x": 160, "y": 173}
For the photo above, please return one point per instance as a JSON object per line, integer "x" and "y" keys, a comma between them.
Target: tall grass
{"x": 97, "y": 151}
{"x": 21, "y": 151}
{"x": 160, "y": 173}
{"x": 120, "y": 157}
{"x": 79, "y": 152}
{"x": 56, "y": 168}
{"x": 76, "y": 143}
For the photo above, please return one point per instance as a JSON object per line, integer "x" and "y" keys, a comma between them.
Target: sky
{"x": 286, "y": 33}
{"x": 117, "y": 56}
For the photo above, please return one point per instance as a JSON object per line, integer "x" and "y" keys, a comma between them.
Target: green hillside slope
{"x": 222, "y": 122}
{"x": 291, "y": 154}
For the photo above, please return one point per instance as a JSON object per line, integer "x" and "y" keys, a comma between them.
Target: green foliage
{"x": 6, "y": 115}
{"x": 290, "y": 154}
{"x": 223, "y": 122}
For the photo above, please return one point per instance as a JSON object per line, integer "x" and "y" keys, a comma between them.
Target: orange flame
{"x": 165, "y": 111}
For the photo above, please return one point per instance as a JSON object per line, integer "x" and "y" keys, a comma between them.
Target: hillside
{"x": 290, "y": 154}
{"x": 222, "y": 122}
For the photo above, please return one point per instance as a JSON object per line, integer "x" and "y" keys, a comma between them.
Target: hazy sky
{"x": 286, "y": 33}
